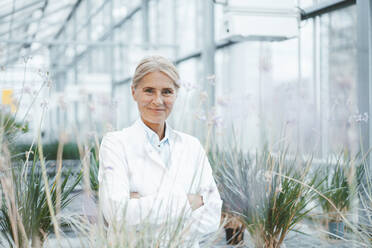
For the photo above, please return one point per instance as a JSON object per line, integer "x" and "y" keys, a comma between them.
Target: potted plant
{"x": 270, "y": 193}
{"x": 337, "y": 191}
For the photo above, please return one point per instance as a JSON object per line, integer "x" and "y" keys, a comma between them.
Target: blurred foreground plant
{"x": 25, "y": 217}
{"x": 10, "y": 127}
{"x": 144, "y": 235}
{"x": 94, "y": 168}
{"x": 365, "y": 198}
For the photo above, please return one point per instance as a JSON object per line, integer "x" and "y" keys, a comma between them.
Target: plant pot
{"x": 336, "y": 228}
{"x": 234, "y": 236}
{"x": 234, "y": 228}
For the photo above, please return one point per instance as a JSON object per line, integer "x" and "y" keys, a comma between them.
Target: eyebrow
{"x": 148, "y": 87}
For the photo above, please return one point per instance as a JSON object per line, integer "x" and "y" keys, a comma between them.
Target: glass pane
{"x": 338, "y": 57}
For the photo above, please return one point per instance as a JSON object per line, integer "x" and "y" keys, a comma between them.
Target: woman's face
{"x": 155, "y": 95}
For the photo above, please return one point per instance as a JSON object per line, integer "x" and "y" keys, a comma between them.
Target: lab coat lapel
{"x": 153, "y": 155}
{"x": 175, "y": 152}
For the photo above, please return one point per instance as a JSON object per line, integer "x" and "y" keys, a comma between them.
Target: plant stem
{"x": 45, "y": 177}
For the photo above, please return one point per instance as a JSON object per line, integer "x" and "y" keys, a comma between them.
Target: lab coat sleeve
{"x": 114, "y": 192}
{"x": 206, "y": 219}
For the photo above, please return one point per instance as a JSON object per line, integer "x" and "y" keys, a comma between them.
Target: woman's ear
{"x": 133, "y": 90}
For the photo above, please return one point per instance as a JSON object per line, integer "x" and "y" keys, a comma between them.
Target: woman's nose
{"x": 158, "y": 99}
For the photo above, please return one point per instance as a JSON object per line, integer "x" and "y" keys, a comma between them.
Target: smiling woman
{"x": 154, "y": 174}
{"x": 155, "y": 96}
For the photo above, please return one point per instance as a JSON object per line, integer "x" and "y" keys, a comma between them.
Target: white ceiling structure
{"x": 26, "y": 22}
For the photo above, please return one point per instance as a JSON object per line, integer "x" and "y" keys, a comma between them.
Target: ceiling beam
{"x": 102, "y": 38}
{"x": 26, "y": 6}
{"x": 325, "y": 7}
{"x": 27, "y": 21}
{"x": 72, "y": 12}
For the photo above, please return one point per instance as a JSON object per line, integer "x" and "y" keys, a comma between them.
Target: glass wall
{"x": 276, "y": 81}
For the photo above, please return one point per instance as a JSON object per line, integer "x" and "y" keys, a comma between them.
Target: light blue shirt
{"x": 161, "y": 146}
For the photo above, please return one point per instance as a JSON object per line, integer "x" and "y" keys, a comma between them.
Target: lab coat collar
{"x": 170, "y": 132}
{"x": 153, "y": 137}
{"x": 141, "y": 137}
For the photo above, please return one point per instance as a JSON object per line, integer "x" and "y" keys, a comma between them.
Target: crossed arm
{"x": 195, "y": 200}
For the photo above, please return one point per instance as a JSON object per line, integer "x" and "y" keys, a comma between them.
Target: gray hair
{"x": 153, "y": 64}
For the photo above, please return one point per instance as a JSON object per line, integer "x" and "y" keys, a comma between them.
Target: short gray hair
{"x": 153, "y": 64}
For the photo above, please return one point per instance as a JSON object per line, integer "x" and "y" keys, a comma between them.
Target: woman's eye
{"x": 148, "y": 90}
{"x": 167, "y": 92}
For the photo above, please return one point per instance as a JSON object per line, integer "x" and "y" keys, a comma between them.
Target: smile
{"x": 157, "y": 110}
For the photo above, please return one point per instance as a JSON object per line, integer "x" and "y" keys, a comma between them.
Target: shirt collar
{"x": 153, "y": 137}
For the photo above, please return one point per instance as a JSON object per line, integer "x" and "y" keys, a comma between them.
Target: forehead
{"x": 156, "y": 80}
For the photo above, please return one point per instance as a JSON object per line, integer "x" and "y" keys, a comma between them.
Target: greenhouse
{"x": 185, "y": 123}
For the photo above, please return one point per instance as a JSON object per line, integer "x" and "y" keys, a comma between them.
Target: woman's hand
{"x": 195, "y": 200}
{"x": 134, "y": 195}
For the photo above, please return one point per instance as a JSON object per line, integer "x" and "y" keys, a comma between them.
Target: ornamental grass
{"x": 265, "y": 192}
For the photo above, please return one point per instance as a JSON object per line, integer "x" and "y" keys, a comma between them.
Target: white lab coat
{"x": 129, "y": 163}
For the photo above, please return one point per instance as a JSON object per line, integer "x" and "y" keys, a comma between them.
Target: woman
{"x": 150, "y": 172}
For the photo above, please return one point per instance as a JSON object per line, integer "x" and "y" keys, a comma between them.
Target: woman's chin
{"x": 155, "y": 120}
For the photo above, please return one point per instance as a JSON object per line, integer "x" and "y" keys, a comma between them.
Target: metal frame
{"x": 27, "y": 21}
{"x": 145, "y": 21}
{"x": 42, "y": 8}
{"x": 21, "y": 9}
{"x": 233, "y": 40}
{"x": 89, "y": 33}
{"x": 364, "y": 84}
{"x": 364, "y": 70}
{"x": 121, "y": 22}
{"x": 84, "y": 43}
{"x": 102, "y": 38}
{"x": 96, "y": 12}
{"x": 72, "y": 12}
{"x": 208, "y": 48}
{"x": 325, "y": 7}
{"x": 311, "y": 12}
{"x": 86, "y": 24}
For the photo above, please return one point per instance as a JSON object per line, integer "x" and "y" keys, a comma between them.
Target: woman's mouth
{"x": 157, "y": 110}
